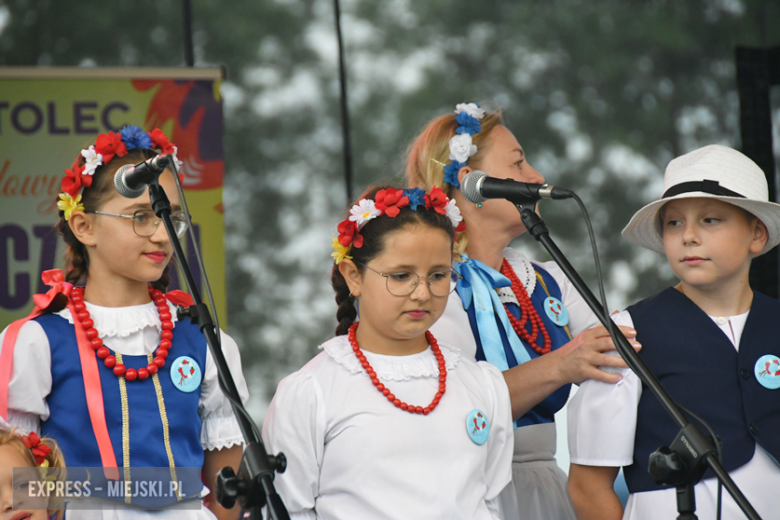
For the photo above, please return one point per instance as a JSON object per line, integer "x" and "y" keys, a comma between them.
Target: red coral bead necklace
{"x": 130, "y": 374}
{"x": 527, "y": 313}
{"x": 386, "y": 392}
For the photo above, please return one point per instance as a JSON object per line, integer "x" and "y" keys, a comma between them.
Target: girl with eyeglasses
{"x": 102, "y": 365}
{"x": 387, "y": 422}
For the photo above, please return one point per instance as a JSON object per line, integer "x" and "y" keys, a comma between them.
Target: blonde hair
{"x": 54, "y": 458}
{"x": 429, "y": 154}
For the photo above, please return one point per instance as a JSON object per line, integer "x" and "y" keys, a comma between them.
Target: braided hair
{"x": 374, "y": 232}
{"x": 76, "y": 256}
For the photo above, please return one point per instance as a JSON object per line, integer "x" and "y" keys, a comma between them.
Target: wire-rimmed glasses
{"x": 403, "y": 283}
{"x": 145, "y": 222}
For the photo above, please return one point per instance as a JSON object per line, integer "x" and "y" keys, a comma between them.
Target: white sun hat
{"x": 712, "y": 172}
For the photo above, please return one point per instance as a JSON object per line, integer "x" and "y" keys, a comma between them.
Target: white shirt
{"x": 352, "y": 454}
{"x": 131, "y": 331}
{"x": 602, "y": 425}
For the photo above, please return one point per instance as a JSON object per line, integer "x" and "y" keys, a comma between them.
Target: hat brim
{"x": 643, "y": 229}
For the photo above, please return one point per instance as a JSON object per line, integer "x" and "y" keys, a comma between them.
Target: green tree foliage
{"x": 601, "y": 95}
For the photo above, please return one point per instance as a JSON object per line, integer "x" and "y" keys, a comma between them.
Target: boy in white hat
{"x": 711, "y": 341}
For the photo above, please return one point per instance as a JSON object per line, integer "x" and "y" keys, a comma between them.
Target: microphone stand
{"x": 685, "y": 461}
{"x": 253, "y": 486}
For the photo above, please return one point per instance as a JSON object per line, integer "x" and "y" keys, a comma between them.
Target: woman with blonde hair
{"x": 524, "y": 317}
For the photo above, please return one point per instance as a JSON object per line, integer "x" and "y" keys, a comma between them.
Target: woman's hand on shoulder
{"x": 582, "y": 357}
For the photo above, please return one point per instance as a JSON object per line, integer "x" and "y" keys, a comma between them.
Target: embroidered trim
{"x": 165, "y": 425}
{"x": 391, "y": 368}
{"x": 524, "y": 270}
{"x": 125, "y": 426}
{"x": 544, "y": 286}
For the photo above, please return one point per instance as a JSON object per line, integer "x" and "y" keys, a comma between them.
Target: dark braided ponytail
{"x": 374, "y": 232}
{"x": 76, "y": 256}
{"x": 346, "y": 313}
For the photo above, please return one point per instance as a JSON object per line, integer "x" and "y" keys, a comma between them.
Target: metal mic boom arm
{"x": 253, "y": 487}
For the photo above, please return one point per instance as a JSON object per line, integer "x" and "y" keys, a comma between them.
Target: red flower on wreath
{"x": 160, "y": 141}
{"x": 348, "y": 234}
{"x": 39, "y": 451}
{"x": 74, "y": 180}
{"x": 438, "y": 199}
{"x": 391, "y": 201}
{"x": 110, "y": 144}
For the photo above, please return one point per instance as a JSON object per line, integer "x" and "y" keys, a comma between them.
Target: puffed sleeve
{"x": 498, "y": 467}
{"x": 295, "y": 425}
{"x": 580, "y": 316}
{"x": 602, "y": 416}
{"x": 30, "y": 378}
{"x": 220, "y": 428}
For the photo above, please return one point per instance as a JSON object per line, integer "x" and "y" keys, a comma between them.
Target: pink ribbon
{"x": 54, "y": 278}
{"x": 94, "y": 394}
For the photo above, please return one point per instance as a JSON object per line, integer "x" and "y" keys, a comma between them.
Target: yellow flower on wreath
{"x": 68, "y": 204}
{"x": 339, "y": 251}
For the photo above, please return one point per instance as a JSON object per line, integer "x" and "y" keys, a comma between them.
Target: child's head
{"x": 713, "y": 218}
{"x": 134, "y": 245}
{"x": 391, "y": 238}
{"x": 23, "y": 452}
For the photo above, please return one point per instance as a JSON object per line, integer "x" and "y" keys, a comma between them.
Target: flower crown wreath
{"x": 389, "y": 202}
{"x": 38, "y": 449}
{"x": 79, "y": 176}
{"x": 461, "y": 146}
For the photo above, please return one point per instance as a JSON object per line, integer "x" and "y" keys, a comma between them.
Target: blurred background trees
{"x": 601, "y": 94}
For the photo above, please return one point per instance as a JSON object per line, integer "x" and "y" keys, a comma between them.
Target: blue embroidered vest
{"x": 544, "y": 411}
{"x": 700, "y": 368}
{"x": 69, "y": 422}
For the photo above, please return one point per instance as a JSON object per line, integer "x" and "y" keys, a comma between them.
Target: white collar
{"x": 391, "y": 368}
{"x": 121, "y": 322}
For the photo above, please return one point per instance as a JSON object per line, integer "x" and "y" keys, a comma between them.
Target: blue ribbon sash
{"x": 478, "y": 287}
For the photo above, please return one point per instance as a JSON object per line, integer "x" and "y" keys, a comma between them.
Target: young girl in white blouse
{"x": 711, "y": 341}
{"x": 387, "y": 423}
{"x": 105, "y": 368}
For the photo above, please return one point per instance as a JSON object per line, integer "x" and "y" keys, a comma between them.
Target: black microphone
{"x": 131, "y": 180}
{"x": 478, "y": 186}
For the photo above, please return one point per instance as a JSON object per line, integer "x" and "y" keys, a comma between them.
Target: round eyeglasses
{"x": 403, "y": 283}
{"x": 145, "y": 222}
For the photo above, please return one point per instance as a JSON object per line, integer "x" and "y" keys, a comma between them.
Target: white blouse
{"x": 454, "y": 327}
{"x": 602, "y": 425}
{"x": 131, "y": 331}
{"x": 352, "y": 454}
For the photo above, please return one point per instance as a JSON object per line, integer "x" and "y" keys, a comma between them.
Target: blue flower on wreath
{"x": 468, "y": 124}
{"x": 134, "y": 137}
{"x": 451, "y": 173}
{"x": 416, "y": 197}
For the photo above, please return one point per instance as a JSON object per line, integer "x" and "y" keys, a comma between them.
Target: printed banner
{"x": 48, "y": 115}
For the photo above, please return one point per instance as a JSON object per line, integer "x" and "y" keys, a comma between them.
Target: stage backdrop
{"x": 48, "y": 114}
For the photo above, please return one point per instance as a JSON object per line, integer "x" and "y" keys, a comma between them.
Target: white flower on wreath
{"x": 179, "y": 163}
{"x": 453, "y": 213}
{"x": 471, "y": 109}
{"x": 92, "y": 160}
{"x": 461, "y": 148}
{"x": 363, "y": 211}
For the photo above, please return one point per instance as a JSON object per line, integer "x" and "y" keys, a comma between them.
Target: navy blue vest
{"x": 69, "y": 422}
{"x": 543, "y": 412}
{"x": 700, "y": 368}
